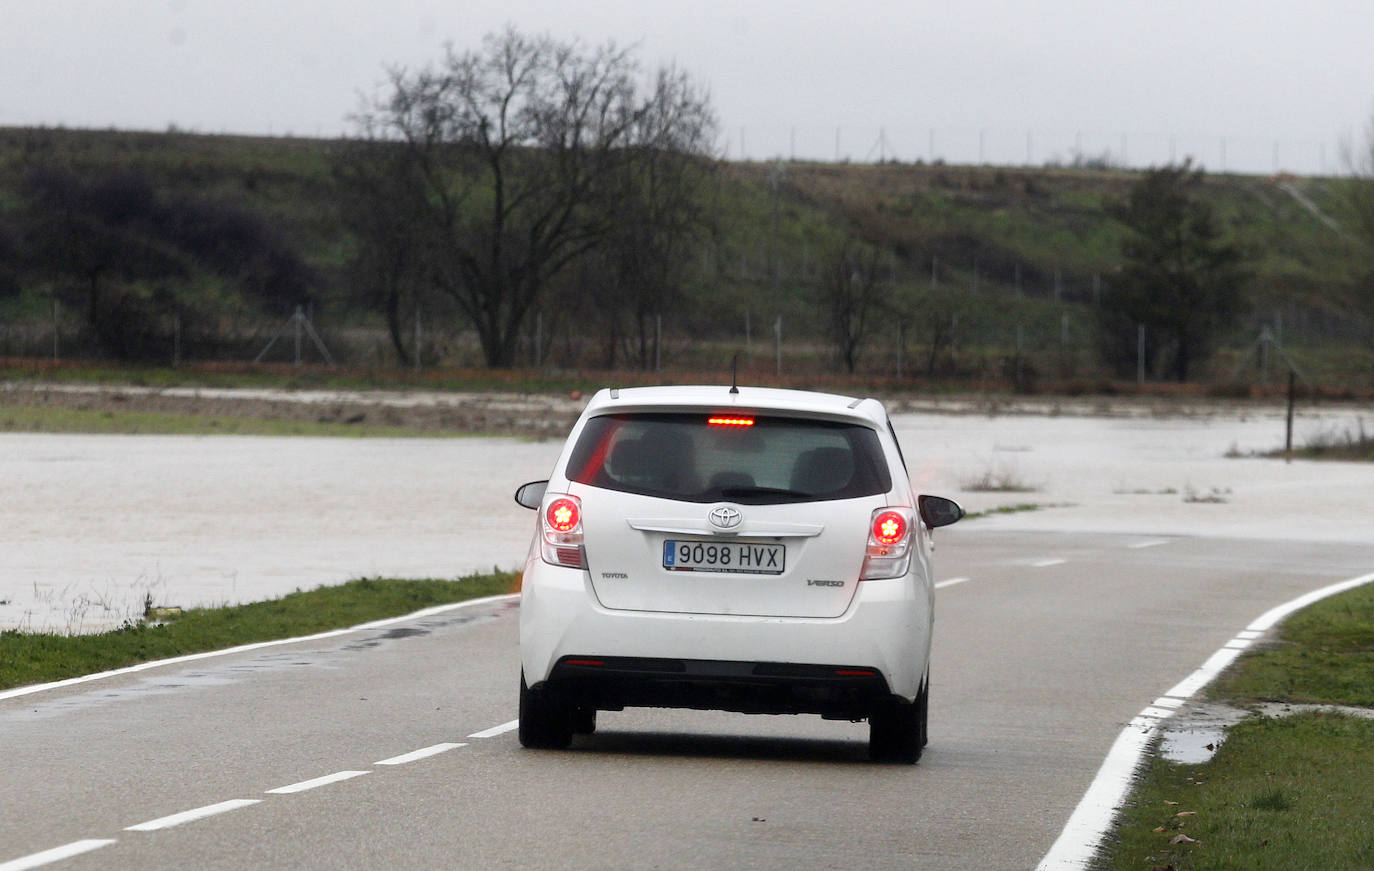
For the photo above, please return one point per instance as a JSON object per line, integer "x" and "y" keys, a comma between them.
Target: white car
{"x": 736, "y": 549}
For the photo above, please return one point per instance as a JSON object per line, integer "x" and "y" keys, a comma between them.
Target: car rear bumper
{"x": 611, "y": 683}
{"x": 886, "y": 630}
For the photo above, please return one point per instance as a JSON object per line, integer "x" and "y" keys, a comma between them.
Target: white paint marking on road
{"x": 56, "y": 854}
{"x": 496, "y": 730}
{"x": 951, "y": 582}
{"x": 422, "y": 753}
{"x": 244, "y": 648}
{"x": 1249, "y": 634}
{"x": 199, "y": 813}
{"x": 1077, "y": 843}
{"x": 1238, "y": 643}
{"x": 1154, "y": 542}
{"x": 316, "y": 782}
{"x": 1215, "y": 665}
{"x": 1046, "y": 563}
{"x": 1274, "y": 615}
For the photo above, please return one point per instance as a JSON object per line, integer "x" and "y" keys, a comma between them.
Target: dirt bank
{"x": 479, "y": 413}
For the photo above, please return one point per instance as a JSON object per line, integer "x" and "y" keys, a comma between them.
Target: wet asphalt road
{"x": 1048, "y": 648}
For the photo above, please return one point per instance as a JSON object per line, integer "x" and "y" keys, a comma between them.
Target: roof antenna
{"x": 734, "y": 374}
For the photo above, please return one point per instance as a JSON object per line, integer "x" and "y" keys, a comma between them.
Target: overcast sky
{"x": 1240, "y": 85}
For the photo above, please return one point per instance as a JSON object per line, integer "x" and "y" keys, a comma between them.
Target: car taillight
{"x": 889, "y": 528}
{"x": 563, "y": 515}
{"x": 726, "y": 420}
{"x": 561, "y": 532}
{"x": 888, "y": 554}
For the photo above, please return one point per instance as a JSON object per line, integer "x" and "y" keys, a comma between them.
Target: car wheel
{"x": 896, "y": 732}
{"x": 546, "y": 721}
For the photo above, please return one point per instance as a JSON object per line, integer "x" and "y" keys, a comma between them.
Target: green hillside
{"x": 206, "y": 244}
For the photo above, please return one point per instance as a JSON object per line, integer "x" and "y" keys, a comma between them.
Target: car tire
{"x": 897, "y": 730}
{"x": 546, "y": 720}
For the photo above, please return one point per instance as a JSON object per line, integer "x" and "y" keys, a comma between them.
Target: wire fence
{"x": 1002, "y": 146}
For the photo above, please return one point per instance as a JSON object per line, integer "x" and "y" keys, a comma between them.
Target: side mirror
{"x": 531, "y": 494}
{"x": 939, "y": 511}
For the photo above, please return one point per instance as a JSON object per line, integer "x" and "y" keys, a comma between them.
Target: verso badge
{"x": 724, "y": 517}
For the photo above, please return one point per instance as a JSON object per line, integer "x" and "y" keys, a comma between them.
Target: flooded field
{"x": 91, "y": 527}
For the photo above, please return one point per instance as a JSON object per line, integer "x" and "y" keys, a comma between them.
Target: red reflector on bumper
{"x": 855, "y": 672}
{"x": 583, "y": 662}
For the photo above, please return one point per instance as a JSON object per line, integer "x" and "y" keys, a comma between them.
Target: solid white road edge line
{"x": 422, "y": 753}
{"x": 199, "y": 813}
{"x": 315, "y": 783}
{"x": 56, "y": 854}
{"x": 496, "y": 730}
{"x": 1082, "y": 834}
{"x": 243, "y": 648}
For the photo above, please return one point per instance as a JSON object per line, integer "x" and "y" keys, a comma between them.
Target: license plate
{"x": 736, "y": 557}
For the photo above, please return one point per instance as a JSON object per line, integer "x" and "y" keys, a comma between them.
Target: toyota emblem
{"x": 724, "y": 517}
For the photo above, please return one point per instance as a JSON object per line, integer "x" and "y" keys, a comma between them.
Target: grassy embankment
{"x": 38, "y": 419}
{"x": 39, "y": 657}
{"x": 980, "y": 261}
{"x": 1281, "y": 793}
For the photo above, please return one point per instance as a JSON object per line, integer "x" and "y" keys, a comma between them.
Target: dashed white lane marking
{"x": 1046, "y": 563}
{"x": 422, "y": 753}
{"x": 56, "y": 854}
{"x": 317, "y": 782}
{"x": 951, "y": 582}
{"x": 1078, "y": 842}
{"x": 496, "y": 730}
{"x": 199, "y": 813}
{"x": 1154, "y": 542}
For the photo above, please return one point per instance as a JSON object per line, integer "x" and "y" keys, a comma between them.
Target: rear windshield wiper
{"x": 762, "y": 492}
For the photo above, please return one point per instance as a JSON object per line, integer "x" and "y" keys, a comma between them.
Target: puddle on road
{"x": 1194, "y": 734}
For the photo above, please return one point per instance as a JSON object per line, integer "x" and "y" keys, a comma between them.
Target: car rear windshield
{"x": 767, "y": 459}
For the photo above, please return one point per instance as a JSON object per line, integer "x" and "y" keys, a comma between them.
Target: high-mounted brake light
{"x": 730, "y": 421}
{"x": 561, "y": 528}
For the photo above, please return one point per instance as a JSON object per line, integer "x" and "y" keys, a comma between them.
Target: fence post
{"x": 777, "y": 343}
{"x": 1140, "y": 355}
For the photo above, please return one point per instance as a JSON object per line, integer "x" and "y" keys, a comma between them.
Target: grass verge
{"x": 47, "y": 419}
{"x": 40, "y": 657}
{"x": 1286, "y": 792}
{"x": 1009, "y": 509}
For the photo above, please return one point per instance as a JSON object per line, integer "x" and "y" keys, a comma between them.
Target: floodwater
{"x": 93, "y": 526}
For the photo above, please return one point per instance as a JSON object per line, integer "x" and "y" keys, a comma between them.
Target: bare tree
{"x": 851, "y": 289}
{"x": 518, "y": 157}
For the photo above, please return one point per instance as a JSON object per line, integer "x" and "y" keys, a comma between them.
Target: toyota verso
{"x": 736, "y": 549}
